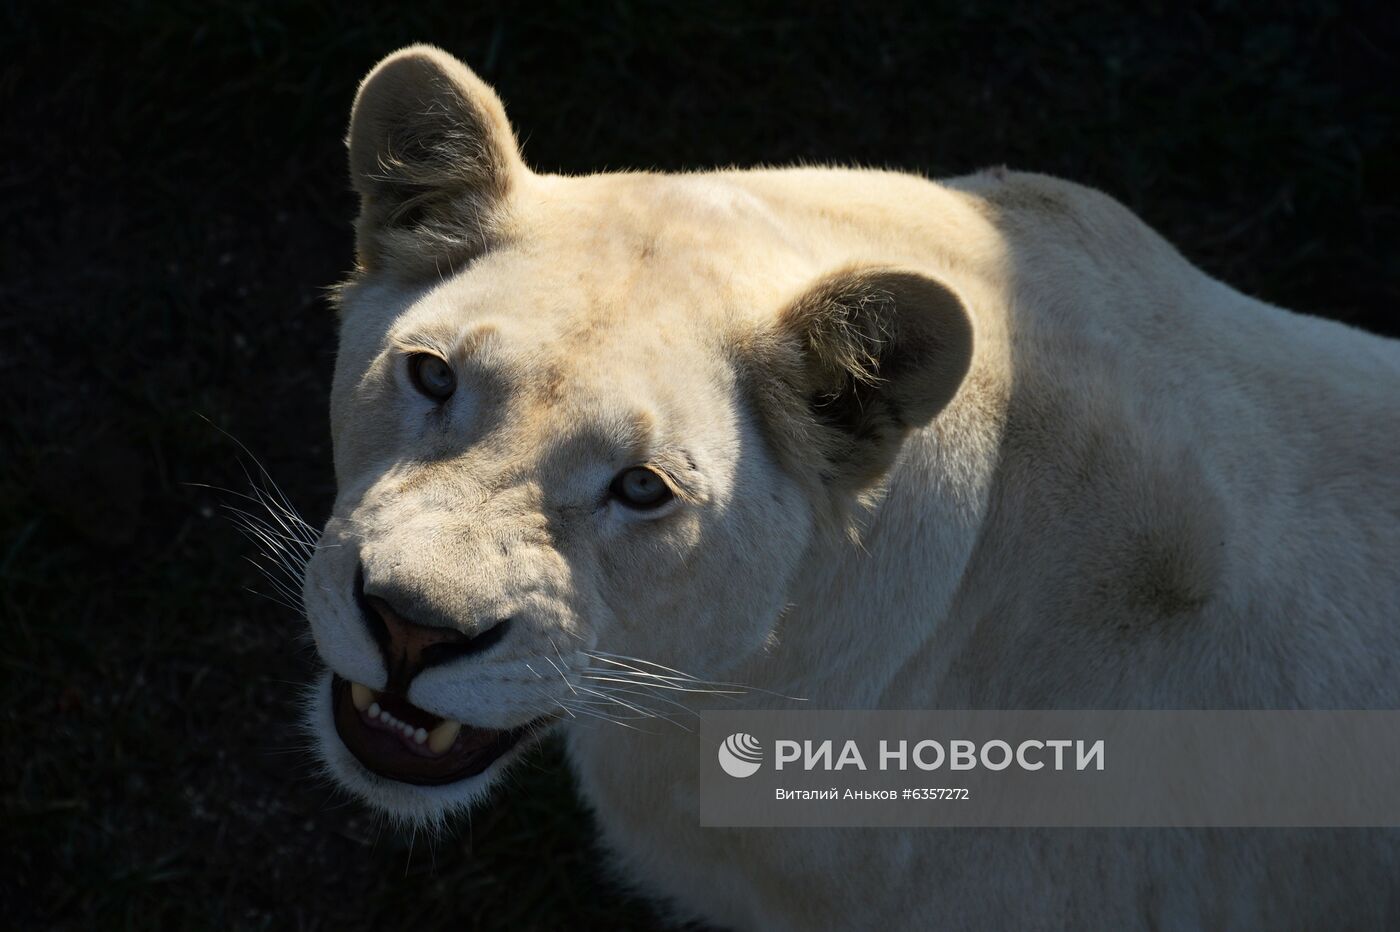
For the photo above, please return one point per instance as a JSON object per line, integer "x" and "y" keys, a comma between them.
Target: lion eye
{"x": 641, "y": 488}
{"x": 432, "y": 376}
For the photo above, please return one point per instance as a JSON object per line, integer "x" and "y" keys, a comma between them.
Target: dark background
{"x": 174, "y": 203}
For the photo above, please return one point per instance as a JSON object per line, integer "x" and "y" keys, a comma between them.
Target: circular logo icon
{"x": 740, "y": 755}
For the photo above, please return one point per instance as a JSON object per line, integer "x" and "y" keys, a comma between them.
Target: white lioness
{"x": 850, "y": 436}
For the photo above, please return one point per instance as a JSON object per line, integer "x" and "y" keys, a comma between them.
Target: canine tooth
{"x": 374, "y": 710}
{"x": 361, "y": 695}
{"x": 442, "y": 737}
{"x": 420, "y": 736}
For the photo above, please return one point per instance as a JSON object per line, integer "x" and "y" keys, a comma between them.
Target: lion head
{"x": 579, "y": 424}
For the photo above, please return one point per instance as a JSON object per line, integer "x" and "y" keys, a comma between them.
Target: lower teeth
{"x": 438, "y": 740}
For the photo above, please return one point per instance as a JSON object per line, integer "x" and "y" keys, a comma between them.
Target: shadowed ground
{"x": 174, "y": 203}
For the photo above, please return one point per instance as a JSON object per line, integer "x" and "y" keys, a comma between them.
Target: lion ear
{"x": 432, "y": 157}
{"x": 872, "y": 353}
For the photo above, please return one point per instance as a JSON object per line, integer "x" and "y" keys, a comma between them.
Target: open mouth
{"x": 394, "y": 738}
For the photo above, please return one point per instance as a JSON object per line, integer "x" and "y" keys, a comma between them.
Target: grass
{"x": 175, "y": 204}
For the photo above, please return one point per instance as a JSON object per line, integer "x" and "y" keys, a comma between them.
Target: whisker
{"x": 625, "y": 721}
{"x": 659, "y": 679}
{"x": 562, "y": 676}
{"x": 284, "y": 500}
{"x": 280, "y": 509}
{"x": 265, "y": 516}
{"x": 281, "y": 587}
{"x": 652, "y": 713}
{"x": 647, "y": 695}
{"x": 275, "y": 568}
{"x": 612, "y": 721}
{"x": 584, "y": 702}
{"x": 677, "y": 675}
{"x": 607, "y": 657}
{"x": 280, "y": 601}
{"x": 622, "y": 702}
{"x": 588, "y": 674}
{"x": 273, "y": 547}
{"x": 278, "y": 573}
{"x": 252, "y": 520}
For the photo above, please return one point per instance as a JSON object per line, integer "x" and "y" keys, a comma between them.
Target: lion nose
{"x": 410, "y": 647}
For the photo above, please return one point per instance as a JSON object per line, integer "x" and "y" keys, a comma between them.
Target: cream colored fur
{"x": 1133, "y": 488}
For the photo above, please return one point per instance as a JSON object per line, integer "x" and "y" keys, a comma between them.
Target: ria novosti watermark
{"x": 1060, "y": 768}
{"x": 927, "y": 754}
